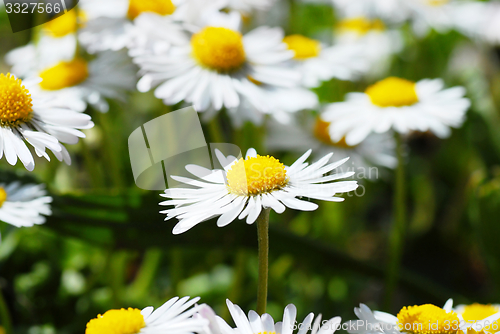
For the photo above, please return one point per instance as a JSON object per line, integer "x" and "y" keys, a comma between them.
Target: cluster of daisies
{"x": 184, "y": 316}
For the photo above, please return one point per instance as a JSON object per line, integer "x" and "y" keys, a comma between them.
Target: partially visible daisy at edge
{"x": 398, "y": 104}
{"x": 255, "y": 324}
{"x": 218, "y": 67}
{"x": 24, "y": 205}
{"x": 318, "y": 62}
{"x": 246, "y": 186}
{"x": 376, "y": 150}
{"x": 472, "y": 313}
{"x": 26, "y": 117}
{"x": 389, "y": 10}
{"x": 416, "y": 320}
{"x": 77, "y": 82}
{"x": 175, "y": 317}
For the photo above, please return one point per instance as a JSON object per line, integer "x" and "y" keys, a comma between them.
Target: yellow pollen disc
{"x": 321, "y": 133}
{"x": 256, "y": 176}
{"x": 360, "y": 25}
{"x": 303, "y": 47}
{"x": 65, "y": 74}
{"x": 427, "y": 319}
{"x": 15, "y": 101}
{"x": 393, "y": 92}
{"x": 63, "y": 25}
{"x": 220, "y": 49}
{"x": 3, "y": 197}
{"x": 137, "y": 7}
{"x": 123, "y": 321}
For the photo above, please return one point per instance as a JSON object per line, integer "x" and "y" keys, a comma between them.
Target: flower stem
{"x": 263, "y": 239}
{"x": 5, "y": 315}
{"x": 398, "y": 228}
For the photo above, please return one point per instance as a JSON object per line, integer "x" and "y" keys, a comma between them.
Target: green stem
{"x": 5, "y": 315}
{"x": 397, "y": 232}
{"x": 263, "y": 239}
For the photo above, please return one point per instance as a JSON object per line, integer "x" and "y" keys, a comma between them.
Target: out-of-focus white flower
{"x": 319, "y": 62}
{"x": 399, "y": 104}
{"x": 218, "y": 67}
{"x": 175, "y": 316}
{"x": 246, "y": 186}
{"x": 24, "y": 205}
{"x": 27, "y": 116}
{"x": 388, "y": 10}
{"x": 255, "y": 324}
{"x": 375, "y": 150}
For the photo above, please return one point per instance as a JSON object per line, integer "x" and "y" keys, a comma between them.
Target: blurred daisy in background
{"x": 246, "y": 186}
{"x": 431, "y": 14}
{"x": 24, "y": 205}
{"x": 175, "y": 316}
{"x": 78, "y": 82}
{"x": 318, "y": 62}
{"x": 377, "y": 43}
{"x": 389, "y": 10}
{"x": 313, "y": 132}
{"x": 255, "y": 324}
{"x": 218, "y": 67}
{"x": 399, "y": 104}
{"x": 477, "y": 312}
{"x": 26, "y": 116}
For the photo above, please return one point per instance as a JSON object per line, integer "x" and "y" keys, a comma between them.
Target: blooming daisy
{"x": 473, "y": 313}
{"x": 25, "y": 116}
{"x": 217, "y": 67}
{"x": 255, "y": 324}
{"x": 399, "y": 104}
{"x": 431, "y": 14}
{"x": 175, "y": 316}
{"x": 24, "y": 205}
{"x": 419, "y": 319}
{"x": 319, "y": 63}
{"x": 245, "y": 186}
{"x": 78, "y": 82}
{"x": 247, "y": 6}
{"x": 377, "y": 43}
{"x": 390, "y": 10}
{"x": 375, "y": 150}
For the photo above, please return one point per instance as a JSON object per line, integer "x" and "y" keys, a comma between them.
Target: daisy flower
{"x": 473, "y": 313}
{"x": 175, "y": 317}
{"x": 25, "y": 116}
{"x": 421, "y": 319}
{"x": 318, "y": 62}
{"x": 431, "y": 14}
{"x": 78, "y": 82}
{"x": 375, "y": 150}
{"x": 399, "y": 104}
{"x": 24, "y": 205}
{"x": 377, "y": 43}
{"x": 245, "y": 186}
{"x": 247, "y": 6}
{"x": 255, "y": 324}
{"x": 217, "y": 67}
{"x": 390, "y": 10}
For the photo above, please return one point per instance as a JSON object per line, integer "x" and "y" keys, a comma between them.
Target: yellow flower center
{"x": 427, "y": 319}
{"x": 360, "y": 25}
{"x": 393, "y": 92}
{"x": 121, "y": 321}
{"x": 476, "y": 312}
{"x": 256, "y": 176}
{"x": 3, "y": 198}
{"x": 220, "y": 49}
{"x": 64, "y": 74}
{"x": 303, "y": 47}
{"x": 15, "y": 101}
{"x": 437, "y": 3}
{"x": 137, "y": 7}
{"x": 322, "y": 134}
{"x": 63, "y": 25}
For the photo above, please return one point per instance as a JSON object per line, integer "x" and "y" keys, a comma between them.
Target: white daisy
{"x": 245, "y": 186}
{"x": 377, "y": 43}
{"x": 175, "y": 317}
{"x": 419, "y": 319}
{"x": 318, "y": 62}
{"x": 473, "y": 313}
{"x": 399, "y": 104}
{"x": 375, "y": 150}
{"x": 78, "y": 82}
{"x": 24, "y": 205}
{"x": 247, "y": 6}
{"x": 24, "y": 116}
{"x": 255, "y": 324}
{"x": 431, "y": 14}
{"x": 390, "y": 10}
{"x": 217, "y": 67}
{"x": 478, "y": 20}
